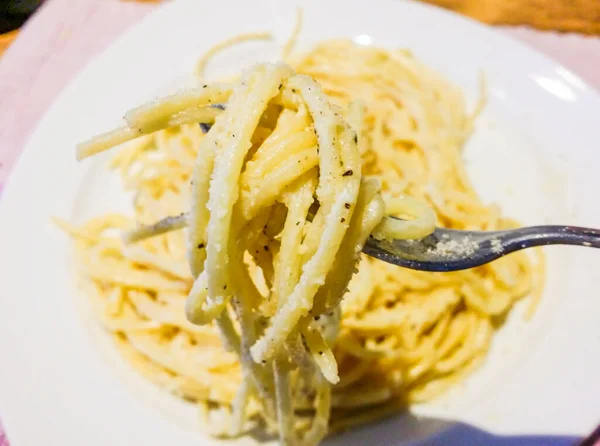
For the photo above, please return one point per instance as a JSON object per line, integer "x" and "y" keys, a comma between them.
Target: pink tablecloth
{"x": 65, "y": 34}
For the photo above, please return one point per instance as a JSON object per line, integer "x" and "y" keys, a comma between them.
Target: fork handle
{"x": 527, "y": 237}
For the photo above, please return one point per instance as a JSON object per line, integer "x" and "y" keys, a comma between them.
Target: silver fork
{"x": 452, "y": 250}
{"x": 443, "y": 250}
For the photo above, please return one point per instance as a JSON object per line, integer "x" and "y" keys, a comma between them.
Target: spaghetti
{"x": 283, "y": 196}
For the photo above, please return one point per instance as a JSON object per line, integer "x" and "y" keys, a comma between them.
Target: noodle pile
{"x": 281, "y": 204}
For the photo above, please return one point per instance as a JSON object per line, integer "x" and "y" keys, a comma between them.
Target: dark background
{"x": 13, "y": 13}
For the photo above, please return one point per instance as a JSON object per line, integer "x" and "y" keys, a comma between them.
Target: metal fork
{"x": 452, "y": 250}
{"x": 442, "y": 250}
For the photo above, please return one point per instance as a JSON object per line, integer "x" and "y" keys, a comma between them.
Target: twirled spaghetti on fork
{"x": 266, "y": 215}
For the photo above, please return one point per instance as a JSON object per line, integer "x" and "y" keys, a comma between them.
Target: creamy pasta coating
{"x": 238, "y": 301}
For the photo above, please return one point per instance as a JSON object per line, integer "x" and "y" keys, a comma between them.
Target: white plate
{"x": 534, "y": 152}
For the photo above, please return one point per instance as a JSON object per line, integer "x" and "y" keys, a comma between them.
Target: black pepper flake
{"x": 264, "y": 362}
{"x": 347, "y": 205}
{"x": 233, "y": 134}
{"x": 321, "y": 353}
{"x": 342, "y": 220}
{"x": 316, "y": 318}
{"x": 389, "y": 304}
{"x": 304, "y": 344}
{"x": 355, "y": 138}
{"x": 224, "y": 287}
{"x": 293, "y": 90}
{"x": 200, "y": 245}
{"x": 204, "y": 86}
{"x": 280, "y": 85}
{"x": 297, "y": 223}
{"x": 266, "y": 248}
{"x": 348, "y": 173}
